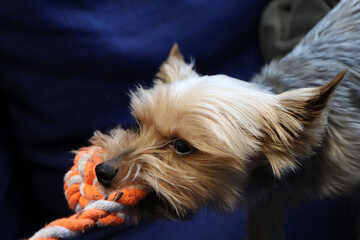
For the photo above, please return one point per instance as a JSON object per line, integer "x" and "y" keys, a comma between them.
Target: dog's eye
{"x": 182, "y": 147}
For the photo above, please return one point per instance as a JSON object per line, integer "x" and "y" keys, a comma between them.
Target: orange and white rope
{"x": 91, "y": 207}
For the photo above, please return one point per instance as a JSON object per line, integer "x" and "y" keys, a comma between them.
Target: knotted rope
{"x": 93, "y": 209}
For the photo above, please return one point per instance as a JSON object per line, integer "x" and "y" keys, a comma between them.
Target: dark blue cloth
{"x": 65, "y": 70}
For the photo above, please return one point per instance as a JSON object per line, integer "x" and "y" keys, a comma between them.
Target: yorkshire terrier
{"x": 290, "y": 134}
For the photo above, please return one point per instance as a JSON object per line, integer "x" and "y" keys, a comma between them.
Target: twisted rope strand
{"x": 91, "y": 207}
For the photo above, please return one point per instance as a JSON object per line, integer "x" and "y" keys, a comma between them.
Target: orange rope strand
{"x": 93, "y": 209}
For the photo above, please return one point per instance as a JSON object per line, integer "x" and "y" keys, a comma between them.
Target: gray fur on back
{"x": 330, "y": 47}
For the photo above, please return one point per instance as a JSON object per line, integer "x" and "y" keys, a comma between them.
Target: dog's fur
{"x": 286, "y": 136}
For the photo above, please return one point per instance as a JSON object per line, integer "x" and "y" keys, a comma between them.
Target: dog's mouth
{"x": 154, "y": 206}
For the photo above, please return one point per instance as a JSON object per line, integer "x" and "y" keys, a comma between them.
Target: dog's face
{"x": 199, "y": 136}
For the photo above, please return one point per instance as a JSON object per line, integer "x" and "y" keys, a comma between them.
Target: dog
{"x": 291, "y": 133}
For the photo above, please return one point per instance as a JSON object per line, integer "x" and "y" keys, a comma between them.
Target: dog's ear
{"x": 175, "y": 68}
{"x": 306, "y": 104}
{"x": 299, "y": 125}
{"x": 175, "y": 52}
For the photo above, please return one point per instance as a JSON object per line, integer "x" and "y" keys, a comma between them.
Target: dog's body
{"x": 335, "y": 168}
{"x": 214, "y": 140}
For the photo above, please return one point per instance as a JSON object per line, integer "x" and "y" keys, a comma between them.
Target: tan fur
{"x": 299, "y": 127}
{"x": 175, "y": 68}
{"x": 233, "y": 125}
{"x": 114, "y": 143}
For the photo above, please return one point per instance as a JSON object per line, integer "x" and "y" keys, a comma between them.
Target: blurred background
{"x": 66, "y": 68}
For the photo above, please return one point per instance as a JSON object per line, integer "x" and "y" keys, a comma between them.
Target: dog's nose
{"x": 105, "y": 173}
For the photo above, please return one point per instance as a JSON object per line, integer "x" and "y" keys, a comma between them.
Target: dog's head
{"x": 199, "y": 136}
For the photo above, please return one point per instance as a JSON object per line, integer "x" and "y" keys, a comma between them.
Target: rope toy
{"x": 91, "y": 207}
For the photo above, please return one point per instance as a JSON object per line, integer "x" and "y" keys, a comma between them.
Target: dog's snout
{"x": 105, "y": 173}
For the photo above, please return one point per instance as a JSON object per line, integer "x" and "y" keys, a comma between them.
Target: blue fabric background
{"x": 65, "y": 70}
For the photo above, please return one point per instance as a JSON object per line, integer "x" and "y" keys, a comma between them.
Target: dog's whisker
{"x": 138, "y": 168}
{"x": 128, "y": 172}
